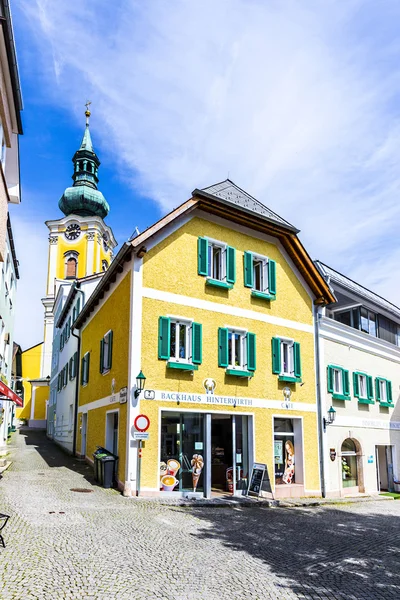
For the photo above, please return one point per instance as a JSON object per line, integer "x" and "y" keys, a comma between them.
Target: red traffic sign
{"x": 142, "y": 423}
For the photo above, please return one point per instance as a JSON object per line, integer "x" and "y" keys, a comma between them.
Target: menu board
{"x": 259, "y": 481}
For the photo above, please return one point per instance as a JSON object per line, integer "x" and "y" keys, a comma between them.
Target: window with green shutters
{"x": 383, "y": 392}
{"x": 363, "y": 388}
{"x": 338, "y": 382}
{"x": 216, "y": 262}
{"x": 65, "y": 375}
{"x": 237, "y": 351}
{"x": 85, "y": 368}
{"x": 286, "y": 359}
{"x": 260, "y": 275}
{"x": 106, "y": 345}
{"x": 73, "y": 363}
{"x": 180, "y": 343}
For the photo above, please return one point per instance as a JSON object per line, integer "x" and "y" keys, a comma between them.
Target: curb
{"x": 2, "y": 469}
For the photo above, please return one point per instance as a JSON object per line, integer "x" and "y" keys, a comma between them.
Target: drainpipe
{"x": 321, "y": 433}
{"x": 78, "y": 337}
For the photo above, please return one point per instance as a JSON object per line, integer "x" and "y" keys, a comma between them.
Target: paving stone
{"x": 106, "y": 547}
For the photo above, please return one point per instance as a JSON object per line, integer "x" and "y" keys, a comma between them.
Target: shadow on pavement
{"x": 320, "y": 552}
{"x": 55, "y": 456}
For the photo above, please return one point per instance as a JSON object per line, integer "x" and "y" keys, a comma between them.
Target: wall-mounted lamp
{"x": 140, "y": 381}
{"x": 331, "y": 417}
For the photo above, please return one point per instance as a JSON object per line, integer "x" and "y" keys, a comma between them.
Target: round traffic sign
{"x": 142, "y": 423}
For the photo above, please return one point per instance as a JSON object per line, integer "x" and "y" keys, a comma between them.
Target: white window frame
{"x": 210, "y": 271}
{"x": 243, "y": 348}
{"x": 187, "y": 323}
{"x": 337, "y": 390}
{"x": 290, "y": 344}
{"x": 106, "y": 357}
{"x": 362, "y": 377}
{"x": 258, "y": 258}
{"x": 383, "y": 389}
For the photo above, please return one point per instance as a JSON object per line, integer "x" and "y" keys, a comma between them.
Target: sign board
{"x": 332, "y": 454}
{"x": 140, "y": 435}
{"x": 123, "y": 395}
{"x": 149, "y": 394}
{"x": 142, "y": 423}
{"x": 259, "y": 482}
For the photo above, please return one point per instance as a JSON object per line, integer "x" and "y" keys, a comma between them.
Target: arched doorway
{"x": 351, "y": 466}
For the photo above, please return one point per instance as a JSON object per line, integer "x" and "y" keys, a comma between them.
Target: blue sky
{"x": 297, "y": 101}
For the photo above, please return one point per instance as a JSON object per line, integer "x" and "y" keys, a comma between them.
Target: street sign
{"x": 142, "y": 423}
{"x": 123, "y": 395}
{"x": 140, "y": 435}
{"x": 149, "y": 394}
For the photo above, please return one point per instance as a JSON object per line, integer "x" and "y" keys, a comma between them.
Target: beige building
{"x": 359, "y": 349}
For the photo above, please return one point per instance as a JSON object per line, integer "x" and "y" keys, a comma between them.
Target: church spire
{"x": 83, "y": 198}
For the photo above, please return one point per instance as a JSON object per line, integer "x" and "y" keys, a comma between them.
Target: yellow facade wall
{"x": 114, "y": 314}
{"x": 31, "y": 361}
{"x": 172, "y": 266}
{"x": 79, "y": 246}
{"x": 41, "y": 396}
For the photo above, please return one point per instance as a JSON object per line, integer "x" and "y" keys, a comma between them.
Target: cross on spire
{"x": 87, "y": 112}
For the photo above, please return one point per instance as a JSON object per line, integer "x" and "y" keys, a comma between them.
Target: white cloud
{"x": 32, "y": 253}
{"x": 295, "y": 100}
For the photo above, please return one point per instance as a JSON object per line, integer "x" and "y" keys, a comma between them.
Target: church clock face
{"x": 73, "y": 231}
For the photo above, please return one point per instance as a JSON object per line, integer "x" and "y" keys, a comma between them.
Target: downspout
{"x": 321, "y": 433}
{"x": 78, "y": 337}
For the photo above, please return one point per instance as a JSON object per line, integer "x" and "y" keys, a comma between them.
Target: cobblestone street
{"x": 100, "y": 546}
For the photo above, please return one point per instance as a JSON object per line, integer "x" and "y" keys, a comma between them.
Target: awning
{"x": 8, "y": 394}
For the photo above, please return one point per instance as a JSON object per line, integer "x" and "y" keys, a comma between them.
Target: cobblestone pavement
{"x": 100, "y": 546}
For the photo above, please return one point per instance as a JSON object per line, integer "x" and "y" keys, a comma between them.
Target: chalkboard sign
{"x": 259, "y": 483}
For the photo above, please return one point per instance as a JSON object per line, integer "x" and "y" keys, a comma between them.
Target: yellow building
{"x": 80, "y": 245}
{"x": 215, "y": 305}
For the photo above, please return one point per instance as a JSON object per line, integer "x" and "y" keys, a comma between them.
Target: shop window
{"x": 180, "y": 343}
{"x": 363, "y": 388}
{"x": 284, "y": 451}
{"x": 338, "y": 383}
{"x": 237, "y": 351}
{"x": 286, "y": 359}
{"x": 182, "y": 452}
{"x": 260, "y": 275}
{"x": 217, "y": 262}
{"x": 349, "y": 464}
{"x": 85, "y": 369}
{"x": 106, "y": 352}
{"x": 383, "y": 392}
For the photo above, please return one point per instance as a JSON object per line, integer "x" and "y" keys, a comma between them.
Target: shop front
{"x": 205, "y": 453}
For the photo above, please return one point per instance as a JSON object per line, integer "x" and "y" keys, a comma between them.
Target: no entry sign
{"x": 142, "y": 423}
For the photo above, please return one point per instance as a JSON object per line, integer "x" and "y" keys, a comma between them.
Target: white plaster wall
{"x": 369, "y": 424}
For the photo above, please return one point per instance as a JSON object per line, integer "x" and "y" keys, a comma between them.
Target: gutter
{"x": 77, "y": 378}
{"x": 321, "y": 432}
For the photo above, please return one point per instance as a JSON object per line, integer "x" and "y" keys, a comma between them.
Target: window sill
{"x": 340, "y": 397}
{"x": 262, "y": 295}
{"x": 289, "y": 379}
{"x": 182, "y": 366}
{"x": 365, "y": 401}
{"x": 386, "y": 404}
{"x": 219, "y": 284}
{"x": 105, "y": 372}
{"x": 239, "y": 373}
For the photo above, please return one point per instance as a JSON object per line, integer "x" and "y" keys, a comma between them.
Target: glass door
{"x": 241, "y": 453}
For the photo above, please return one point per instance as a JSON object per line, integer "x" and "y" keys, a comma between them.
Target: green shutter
{"x": 346, "y": 382}
{"x": 377, "y": 390}
{"x": 370, "y": 388}
{"x": 78, "y": 306}
{"x": 276, "y": 355}
{"x": 83, "y": 370}
{"x": 297, "y": 359}
{"x": 202, "y": 248}
{"x": 272, "y": 277}
{"x": 230, "y": 264}
{"x": 223, "y": 347}
{"x": 87, "y": 367}
{"x": 74, "y": 314}
{"x": 196, "y": 343}
{"x": 110, "y": 349}
{"x": 164, "y": 337}
{"x": 248, "y": 269}
{"x": 251, "y": 351}
{"x": 71, "y": 365}
{"x": 389, "y": 392}
{"x": 101, "y": 355}
{"x": 356, "y": 386}
{"x": 330, "y": 379}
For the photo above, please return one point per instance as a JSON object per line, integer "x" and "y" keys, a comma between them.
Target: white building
{"x": 360, "y": 379}
{"x": 9, "y": 276}
{"x": 70, "y": 299}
